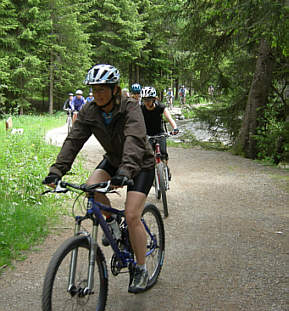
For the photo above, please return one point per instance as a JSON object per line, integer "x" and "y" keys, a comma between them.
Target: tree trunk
{"x": 136, "y": 73}
{"x": 130, "y": 76}
{"x": 177, "y": 88}
{"x": 257, "y": 99}
{"x": 51, "y": 83}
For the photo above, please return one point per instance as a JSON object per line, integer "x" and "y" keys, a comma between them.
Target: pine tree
{"x": 115, "y": 33}
{"x": 68, "y": 59}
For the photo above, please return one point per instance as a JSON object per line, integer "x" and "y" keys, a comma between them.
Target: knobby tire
{"x": 154, "y": 261}
{"x": 57, "y": 298}
{"x": 157, "y": 185}
{"x": 69, "y": 124}
{"x": 160, "y": 172}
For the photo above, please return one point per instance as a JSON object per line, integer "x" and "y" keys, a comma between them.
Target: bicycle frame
{"x": 157, "y": 152}
{"x": 94, "y": 213}
{"x": 157, "y": 149}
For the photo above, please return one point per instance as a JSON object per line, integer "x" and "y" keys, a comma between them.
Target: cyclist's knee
{"x": 132, "y": 219}
{"x": 133, "y": 208}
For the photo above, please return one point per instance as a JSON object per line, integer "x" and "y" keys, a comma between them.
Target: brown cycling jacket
{"x": 124, "y": 139}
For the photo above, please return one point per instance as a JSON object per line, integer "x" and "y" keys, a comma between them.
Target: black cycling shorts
{"x": 142, "y": 182}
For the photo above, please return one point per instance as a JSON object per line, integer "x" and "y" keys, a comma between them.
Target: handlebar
{"x": 162, "y": 135}
{"x": 103, "y": 187}
{"x": 158, "y": 136}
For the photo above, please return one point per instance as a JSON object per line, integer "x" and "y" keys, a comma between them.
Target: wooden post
{"x": 9, "y": 124}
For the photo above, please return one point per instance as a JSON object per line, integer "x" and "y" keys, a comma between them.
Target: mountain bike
{"x": 77, "y": 276}
{"x": 161, "y": 182}
{"x": 169, "y": 101}
{"x": 182, "y": 100}
{"x": 69, "y": 119}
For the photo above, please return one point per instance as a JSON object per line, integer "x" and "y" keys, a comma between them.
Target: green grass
{"x": 25, "y": 215}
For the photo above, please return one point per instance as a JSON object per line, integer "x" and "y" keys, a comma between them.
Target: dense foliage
{"x": 239, "y": 47}
{"x": 25, "y": 215}
{"x": 24, "y": 159}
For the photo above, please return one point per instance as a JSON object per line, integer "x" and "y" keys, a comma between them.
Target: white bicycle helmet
{"x": 102, "y": 74}
{"x": 148, "y": 91}
{"x": 79, "y": 92}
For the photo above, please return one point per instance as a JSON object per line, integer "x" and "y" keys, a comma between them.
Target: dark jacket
{"x": 124, "y": 139}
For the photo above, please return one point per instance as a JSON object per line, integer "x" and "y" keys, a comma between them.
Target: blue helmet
{"x": 102, "y": 74}
{"x": 136, "y": 88}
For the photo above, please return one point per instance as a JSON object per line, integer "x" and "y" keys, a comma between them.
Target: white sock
{"x": 142, "y": 267}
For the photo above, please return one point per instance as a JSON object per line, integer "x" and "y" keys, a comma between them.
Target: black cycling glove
{"x": 175, "y": 131}
{"x": 119, "y": 180}
{"x": 51, "y": 179}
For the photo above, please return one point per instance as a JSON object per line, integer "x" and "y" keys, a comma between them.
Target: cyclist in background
{"x": 67, "y": 103}
{"x": 117, "y": 123}
{"x": 69, "y": 110}
{"x": 182, "y": 94}
{"x": 77, "y": 102}
{"x": 211, "y": 90}
{"x": 135, "y": 92}
{"x": 125, "y": 92}
{"x": 89, "y": 98}
{"x": 153, "y": 112}
{"x": 170, "y": 97}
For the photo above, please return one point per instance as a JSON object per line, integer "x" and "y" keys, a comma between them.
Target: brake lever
{"x": 105, "y": 189}
{"x": 57, "y": 189}
{"x": 60, "y": 189}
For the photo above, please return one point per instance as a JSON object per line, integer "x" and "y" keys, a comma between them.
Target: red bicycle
{"x": 161, "y": 182}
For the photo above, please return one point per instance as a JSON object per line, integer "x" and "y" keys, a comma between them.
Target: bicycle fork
{"x": 72, "y": 289}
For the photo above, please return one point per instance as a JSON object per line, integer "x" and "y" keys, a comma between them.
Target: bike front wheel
{"x": 69, "y": 124}
{"x": 157, "y": 185}
{"x": 57, "y": 296}
{"x": 162, "y": 187}
{"x": 154, "y": 227}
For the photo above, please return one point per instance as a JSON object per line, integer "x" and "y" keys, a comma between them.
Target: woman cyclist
{"x": 77, "y": 102}
{"x": 89, "y": 98}
{"x": 117, "y": 122}
{"x": 153, "y": 112}
{"x": 170, "y": 97}
{"x": 135, "y": 92}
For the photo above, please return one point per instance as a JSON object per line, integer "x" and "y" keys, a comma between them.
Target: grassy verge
{"x": 25, "y": 215}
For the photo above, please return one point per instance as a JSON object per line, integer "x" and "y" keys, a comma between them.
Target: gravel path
{"x": 227, "y": 241}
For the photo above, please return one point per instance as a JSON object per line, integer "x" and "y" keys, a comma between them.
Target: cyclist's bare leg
{"x": 134, "y": 206}
{"x": 99, "y": 175}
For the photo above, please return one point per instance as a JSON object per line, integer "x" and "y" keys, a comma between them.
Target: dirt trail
{"x": 227, "y": 241}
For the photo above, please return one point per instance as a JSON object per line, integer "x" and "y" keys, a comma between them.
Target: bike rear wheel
{"x": 155, "y": 242}
{"x": 162, "y": 185}
{"x": 55, "y": 295}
